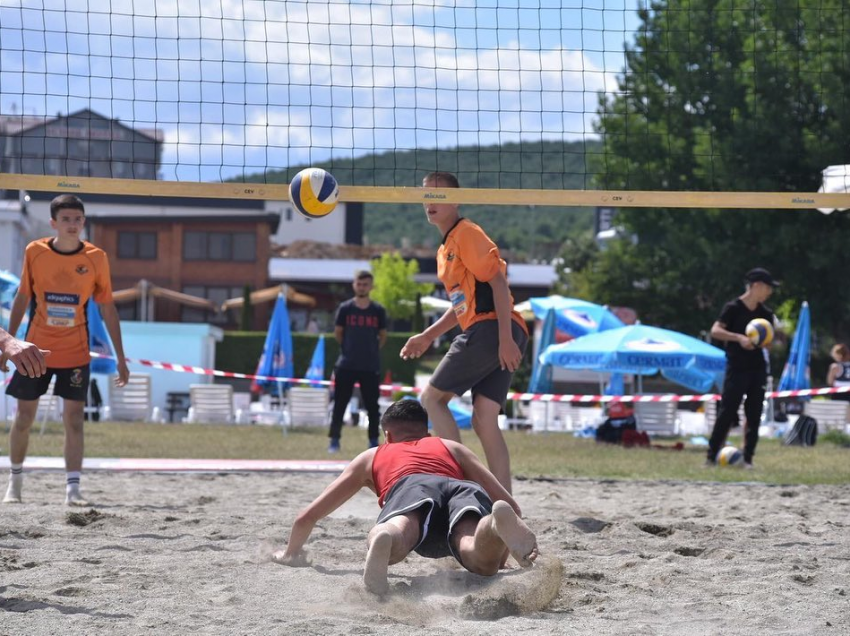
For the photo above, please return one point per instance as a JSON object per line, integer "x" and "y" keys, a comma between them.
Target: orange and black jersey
{"x": 466, "y": 262}
{"x": 59, "y": 285}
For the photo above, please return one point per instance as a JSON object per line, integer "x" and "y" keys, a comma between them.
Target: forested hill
{"x": 529, "y": 232}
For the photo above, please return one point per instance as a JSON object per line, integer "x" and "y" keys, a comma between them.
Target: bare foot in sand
{"x": 377, "y": 563}
{"x": 299, "y": 560}
{"x": 517, "y": 536}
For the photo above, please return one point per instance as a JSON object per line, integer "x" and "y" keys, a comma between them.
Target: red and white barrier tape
{"x": 514, "y": 395}
{"x": 182, "y": 368}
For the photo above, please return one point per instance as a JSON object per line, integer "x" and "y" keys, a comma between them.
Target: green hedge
{"x": 240, "y": 352}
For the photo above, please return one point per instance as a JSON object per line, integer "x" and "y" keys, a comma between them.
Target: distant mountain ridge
{"x": 528, "y": 232}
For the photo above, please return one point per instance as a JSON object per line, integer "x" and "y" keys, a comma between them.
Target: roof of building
{"x": 17, "y": 124}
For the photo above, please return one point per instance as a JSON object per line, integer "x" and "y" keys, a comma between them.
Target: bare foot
{"x": 517, "y": 536}
{"x": 299, "y": 560}
{"x": 377, "y": 563}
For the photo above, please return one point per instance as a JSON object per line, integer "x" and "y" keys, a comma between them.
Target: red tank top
{"x": 427, "y": 455}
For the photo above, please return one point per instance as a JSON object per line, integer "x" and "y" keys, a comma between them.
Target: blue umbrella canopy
{"x": 795, "y": 375}
{"x": 541, "y": 375}
{"x": 8, "y": 288}
{"x": 316, "y": 370}
{"x": 99, "y": 341}
{"x": 277, "y": 351}
{"x": 574, "y": 316}
{"x": 644, "y": 350}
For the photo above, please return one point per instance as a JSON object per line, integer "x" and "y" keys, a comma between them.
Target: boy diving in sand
{"x": 437, "y": 499}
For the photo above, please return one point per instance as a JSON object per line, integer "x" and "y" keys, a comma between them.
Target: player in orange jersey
{"x": 60, "y": 275}
{"x": 484, "y": 357}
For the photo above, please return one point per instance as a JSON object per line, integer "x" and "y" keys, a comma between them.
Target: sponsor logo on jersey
{"x": 62, "y": 299}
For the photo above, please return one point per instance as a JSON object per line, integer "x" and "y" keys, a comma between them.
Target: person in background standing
{"x": 746, "y": 365}
{"x": 361, "y": 331}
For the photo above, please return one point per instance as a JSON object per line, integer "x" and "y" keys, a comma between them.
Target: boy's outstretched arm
{"x": 355, "y": 476}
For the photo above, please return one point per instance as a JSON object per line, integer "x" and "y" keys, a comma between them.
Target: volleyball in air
{"x": 314, "y": 192}
{"x": 729, "y": 456}
{"x": 760, "y": 332}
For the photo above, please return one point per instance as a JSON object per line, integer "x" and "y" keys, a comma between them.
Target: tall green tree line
{"x": 726, "y": 95}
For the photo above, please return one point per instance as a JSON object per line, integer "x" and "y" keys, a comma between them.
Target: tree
{"x": 395, "y": 288}
{"x": 732, "y": 96}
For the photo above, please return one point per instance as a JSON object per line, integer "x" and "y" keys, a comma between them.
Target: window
{"x": 195, "y": 246}
{"x": 220, "y": 246}
{"x": 216, "y": 294}
{"x": 245, "y": 247}
{"x": 141, "y": 245}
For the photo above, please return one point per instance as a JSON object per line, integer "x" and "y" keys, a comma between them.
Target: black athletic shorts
{"x": 473, "y": 362}
{"x": 445, "y": 501}
{"x": 71, "y": 384}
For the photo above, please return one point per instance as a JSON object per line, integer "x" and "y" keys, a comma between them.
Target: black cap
{"x": 761, "y": 275}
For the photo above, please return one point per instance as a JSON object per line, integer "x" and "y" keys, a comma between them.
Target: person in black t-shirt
{"x": 746, "y": 365}
{"x": 361, "y": 331}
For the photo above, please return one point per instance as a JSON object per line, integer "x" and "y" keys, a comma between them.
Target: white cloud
{"x": 313, "y": 71}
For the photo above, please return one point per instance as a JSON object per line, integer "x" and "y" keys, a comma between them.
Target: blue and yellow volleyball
{"x": 729, "y": 456}
{"x": 314, "y": 192}
{"x": 760, "y": 332}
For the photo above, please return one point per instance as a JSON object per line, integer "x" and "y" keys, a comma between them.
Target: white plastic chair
{"x": 308, "y": 406}
{"x": 210, "y": 404}
{"x": 657, "y": 418}
{"x": 131, "y": 402}
{"x": 49, "y": 407}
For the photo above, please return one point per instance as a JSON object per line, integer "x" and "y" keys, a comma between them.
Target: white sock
{"x": 73, "y": 480}
{"x": 16, "y": 473}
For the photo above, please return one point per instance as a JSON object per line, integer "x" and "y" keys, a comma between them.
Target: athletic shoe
{"x": 74, "y": 498}
{"x": 373, "y": 442}
{"x": 748, "y": 466}
{"x": 333, "y": 447}
{"x": 709, "y": 463}
{"x": 13, "y": 492}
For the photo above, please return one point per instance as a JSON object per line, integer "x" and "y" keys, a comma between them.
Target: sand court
{"x": 190, "y": 553}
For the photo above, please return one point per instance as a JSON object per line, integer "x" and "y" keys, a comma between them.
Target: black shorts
{"x": 445, "y": 501}
{"x": 71, "y": 384}
{"x": 473, "y": 362}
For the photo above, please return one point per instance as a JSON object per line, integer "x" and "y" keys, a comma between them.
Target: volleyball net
{"x": 530, "y": 102}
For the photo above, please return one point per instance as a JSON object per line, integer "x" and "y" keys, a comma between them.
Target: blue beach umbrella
{"x": 795, "y": 375}
{"x": 316, "y": 370}
{"x": 574, "y": 316}
{"x": 99, "y": 341}
{"x": 541, "y": 375}
{"x": 277, "y": 351}
{"x": 644, "y": 350}
{"x": 8, "y": 288}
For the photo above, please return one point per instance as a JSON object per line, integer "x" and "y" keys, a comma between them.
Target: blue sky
{"x": 246, "y": 84}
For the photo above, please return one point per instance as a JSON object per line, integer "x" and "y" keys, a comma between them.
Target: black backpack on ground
{"x": 803, "y": 433}
{"x": 611, "y": 430}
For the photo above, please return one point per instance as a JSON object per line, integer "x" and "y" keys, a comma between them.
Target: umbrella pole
{"x": 282, "y": 407}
